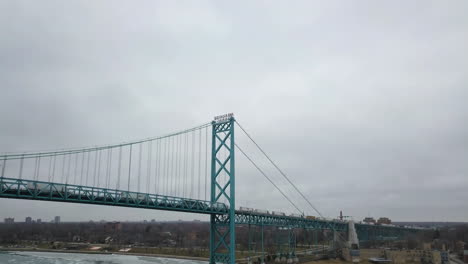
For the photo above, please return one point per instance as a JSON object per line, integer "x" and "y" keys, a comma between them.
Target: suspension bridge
{"x": 190, "y": 171}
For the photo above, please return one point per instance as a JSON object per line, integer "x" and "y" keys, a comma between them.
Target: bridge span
{"x": 191, "y": 171}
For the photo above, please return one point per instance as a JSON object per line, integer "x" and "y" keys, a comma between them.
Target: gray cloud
{"x": 363, "y": 104}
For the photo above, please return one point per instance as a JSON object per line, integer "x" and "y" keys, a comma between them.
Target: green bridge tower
{"x": 222, "y": 226}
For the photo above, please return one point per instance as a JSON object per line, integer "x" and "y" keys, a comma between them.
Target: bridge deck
{"x": 253, "y": 218}
{"x": 58, "y": 192}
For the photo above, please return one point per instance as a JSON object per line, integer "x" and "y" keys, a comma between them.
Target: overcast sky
{"x": 362, "y": 103}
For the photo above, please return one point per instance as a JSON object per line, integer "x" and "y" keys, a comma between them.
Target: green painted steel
{"x": 365, "y": 232}
{"x": 254, "y": 218}
{"x": 221, "y": 207}
{"x": 222, "y": 226}
{"x": 58, "y": 192}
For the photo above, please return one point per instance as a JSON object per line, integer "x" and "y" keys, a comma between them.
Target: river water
{"x": 25, "y": 257}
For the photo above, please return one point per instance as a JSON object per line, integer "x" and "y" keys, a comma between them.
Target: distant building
{"x": 384, "y": 220}
{"x": 369, "y": 220}
{"x": 39, "y": 221}
{"x": 192, "y": 235}
{"x": 28, "y": 220}
{"x": 113, "y": 226}
{"x": 459, "y": 247}
{"x": 9, "y": 220}
{"x": 57, "y": 219}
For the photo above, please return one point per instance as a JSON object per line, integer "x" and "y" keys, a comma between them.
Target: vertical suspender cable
{"x": 177, "y": 184}
{"x": 69, "y": 166}
{"x": 49, "y": 171}
{"x": 148, "y": 166}
{"x": 62, "y": 177}
{"x": 166, "y": 175}
{"x": 35, "y": 168}
{"x": 87, "y": 167}
{"x": 199, "y": 162}
{"x": 189, "y": 166}
{"x": 110, "y": 169}
{"x": 174, "y": 163}
{"x": 157, "y": 166}
{"x": 176, "y": 181}
{"x": 95, "y": 167}
{"x": 4, "y": 166}
{"x": 160, "y": 164}
{"x": 176, "y": 153}
{"x": 180, "y": 165}
{"x": 53, "y": 167}
{"x": 38, "y": 168}
{"x": 83, "y": 154}
{"x": 181, "y": 185}
{"x": 206, "y": 162}
{"x": 76, "y": 168}
{"x": 139, "y": 166}
{"x": 192, "y": 166}
{"x": 108, "y": 156}
{"x": 169, "y": 168}
{"x": 166, "y": 171}
{"x": 107, "y": 169}
{"x": 170, "y": 164}
{"x": 163, "y": 164}
{"x": 129, "y": 167}
{"x": 184, "y": 184}
{"x": 120, "y": 168}
{"x": 174, "y": 156}
{"x": 162, "y": 167}
{"x": 21, "y": 167}
{"x": 184, "y": 161}
{"x": 99, "y": 168}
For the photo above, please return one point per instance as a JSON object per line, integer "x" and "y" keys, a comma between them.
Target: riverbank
{"x": 103, "y": 253}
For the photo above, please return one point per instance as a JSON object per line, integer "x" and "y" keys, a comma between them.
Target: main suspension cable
{"x": 286, "y": 177}
{"x": 268, "y": 178}
{"x": 29, "y": 154}
{"x": 280, "y": 171}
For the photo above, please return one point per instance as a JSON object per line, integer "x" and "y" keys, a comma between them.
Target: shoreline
{"x": 102, "y": 253}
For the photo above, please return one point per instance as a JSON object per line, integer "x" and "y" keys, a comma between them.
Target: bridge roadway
{"x": 59, "y": 192}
